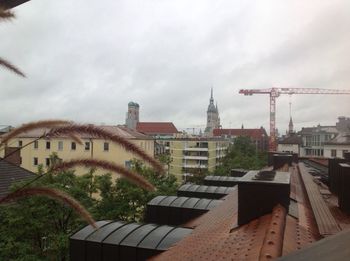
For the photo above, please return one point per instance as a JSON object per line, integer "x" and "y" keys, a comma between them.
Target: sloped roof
{"x": 254, "y": 133}
{"x": 294, "y": 139}
{"x": 117, "y": 130}
{"x": 7, "y": 4}
{"x": 10, "y": 173}
{"x": 156, "y": 128}
{"x": 340, "y": 139}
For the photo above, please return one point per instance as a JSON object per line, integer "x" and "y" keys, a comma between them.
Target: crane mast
{"x": 276, "y": 92}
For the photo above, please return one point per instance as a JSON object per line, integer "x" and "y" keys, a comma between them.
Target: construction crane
{"x": 276, "y": 92}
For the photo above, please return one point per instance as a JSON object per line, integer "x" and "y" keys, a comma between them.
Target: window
{"x": 35, "y": 161}
{"x": 60, "y": 145}
{"x": 128, "y": 164}
{"x": 106, "y": 146}
{"x": 20, "y": 143}
{"x": 334, "y": 153}
{"x": 48, "y": 145}
{"x": 344, "y": 151}
{"x": 87, "y": 145}
{"x": 47, "y": 161}
{"x": 73, "y": 146}
{"x": 36, "y": 144}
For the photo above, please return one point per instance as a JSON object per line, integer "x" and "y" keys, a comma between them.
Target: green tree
{"x": 126, "y": 201}
{"x": 242, "y": 154}
{"x": 38, "y": 228}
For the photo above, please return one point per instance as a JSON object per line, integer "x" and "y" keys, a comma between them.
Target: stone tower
{"x": 132, "y": 116}
{"x": 213, "y": 119}
{"x": 291, "y": 127}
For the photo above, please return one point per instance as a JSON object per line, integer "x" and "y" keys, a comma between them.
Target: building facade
{"x": 336, "y": 147}
{"x": 191, "y": 156}
{"x": 259, "y": 137}
{"x": 39, "y": 152}
{"x": 290, "y": 144}
{"x": 213, "y": 118}
{"x": 314, "y": 139}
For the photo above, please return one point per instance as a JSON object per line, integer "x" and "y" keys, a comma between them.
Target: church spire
{"x": 211, "y": 96}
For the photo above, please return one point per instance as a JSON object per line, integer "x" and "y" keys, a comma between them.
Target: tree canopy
{"x": 38, "y": 228}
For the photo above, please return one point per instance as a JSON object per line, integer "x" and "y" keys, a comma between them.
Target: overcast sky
{"x": 86, "y": 59}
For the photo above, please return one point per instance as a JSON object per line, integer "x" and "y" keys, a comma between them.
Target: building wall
{"x": 335, "y": 151}
{"x": 115, "y": 153}
{"x": 294, "y": 148}
{"x": 313, "y": 143}
{"x": 191, "y": 156}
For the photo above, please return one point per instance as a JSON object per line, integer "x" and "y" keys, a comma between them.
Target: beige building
{"x": 194, "y": 155}
{"x": 39, "y": 152}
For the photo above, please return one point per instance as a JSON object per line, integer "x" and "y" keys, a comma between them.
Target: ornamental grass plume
{"x": 32, "y": 126}
{"x": 132, "y": 176}
{"x": 6, "y": 15}
{"x": 107, "y": 135}
{"x": 55, "y": 194}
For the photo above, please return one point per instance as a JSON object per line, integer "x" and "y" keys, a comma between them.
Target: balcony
{"x": 196, "y": 157}
{"x": 195, "y": 149}
{"x": 195, "y": 166}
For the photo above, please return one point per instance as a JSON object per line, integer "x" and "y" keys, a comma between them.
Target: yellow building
{"x": 66, "y": 148}
{"x": 191, "y": 156}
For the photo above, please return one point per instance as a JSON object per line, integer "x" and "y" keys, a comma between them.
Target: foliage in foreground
{"x": 38, "y": 228}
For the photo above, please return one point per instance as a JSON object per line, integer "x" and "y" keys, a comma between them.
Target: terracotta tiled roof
{"x": 216, "y": 235}
{"x": 9, "y": 174}
{"x": 254, "y": 133}
{"x": 156, "y": 128}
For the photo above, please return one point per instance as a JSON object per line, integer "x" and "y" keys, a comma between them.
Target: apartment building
{"x": 191, "y": 156}
{"x": 38, "y": 152}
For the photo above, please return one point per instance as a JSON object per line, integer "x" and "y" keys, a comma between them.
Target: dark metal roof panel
{"x": 179, "y": 202}
{"x": 88, "y": 230}
{"x": 156, "y": 200}
{"x": 118, "y": 235}
{"x": 152, "y": 240}
{"x": 185, "y": 187}
{"x": 193, "y": 188}
{"x": 202, "y": 204}
{"x": 211, "y": 189}
{"x": 213, "y": 204}
{"x": 202, "y": 188}
{"x": 167, "y": 201}
{"x": 134, "y": 238}
{"x": 173, "y": 237}
{"x": 100, "y": 234}
{"x": 190, "y": 203}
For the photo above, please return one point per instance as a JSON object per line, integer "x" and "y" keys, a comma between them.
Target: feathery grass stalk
{"x": 132, "y": 176}
{"x": 107, "y": 135}
{"x": 75, "y": 138}
{"x": 6, "y": 14}
{"x": 32, "y": 126}
{"x": 54, "y": 194}
{"x": 11, "y": 67}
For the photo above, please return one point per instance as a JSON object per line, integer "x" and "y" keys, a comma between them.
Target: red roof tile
{"x": 254, "y": 133}
{"x": 156, "y": 128}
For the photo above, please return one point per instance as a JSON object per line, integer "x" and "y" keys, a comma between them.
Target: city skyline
{"x": 167, "y": 55}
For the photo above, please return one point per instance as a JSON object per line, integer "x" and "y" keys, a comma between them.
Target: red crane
{"x": 276, "y": 92}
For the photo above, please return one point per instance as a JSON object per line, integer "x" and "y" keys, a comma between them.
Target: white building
{"x": 336, "y": 147}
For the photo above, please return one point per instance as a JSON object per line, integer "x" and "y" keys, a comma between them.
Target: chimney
{"x": 334, "y": 174}
{"x": 13, "y": 155}
{"x": 344, "y": 184}
{"x": 259, "y": 192}
{"x": 279, "y": 160}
